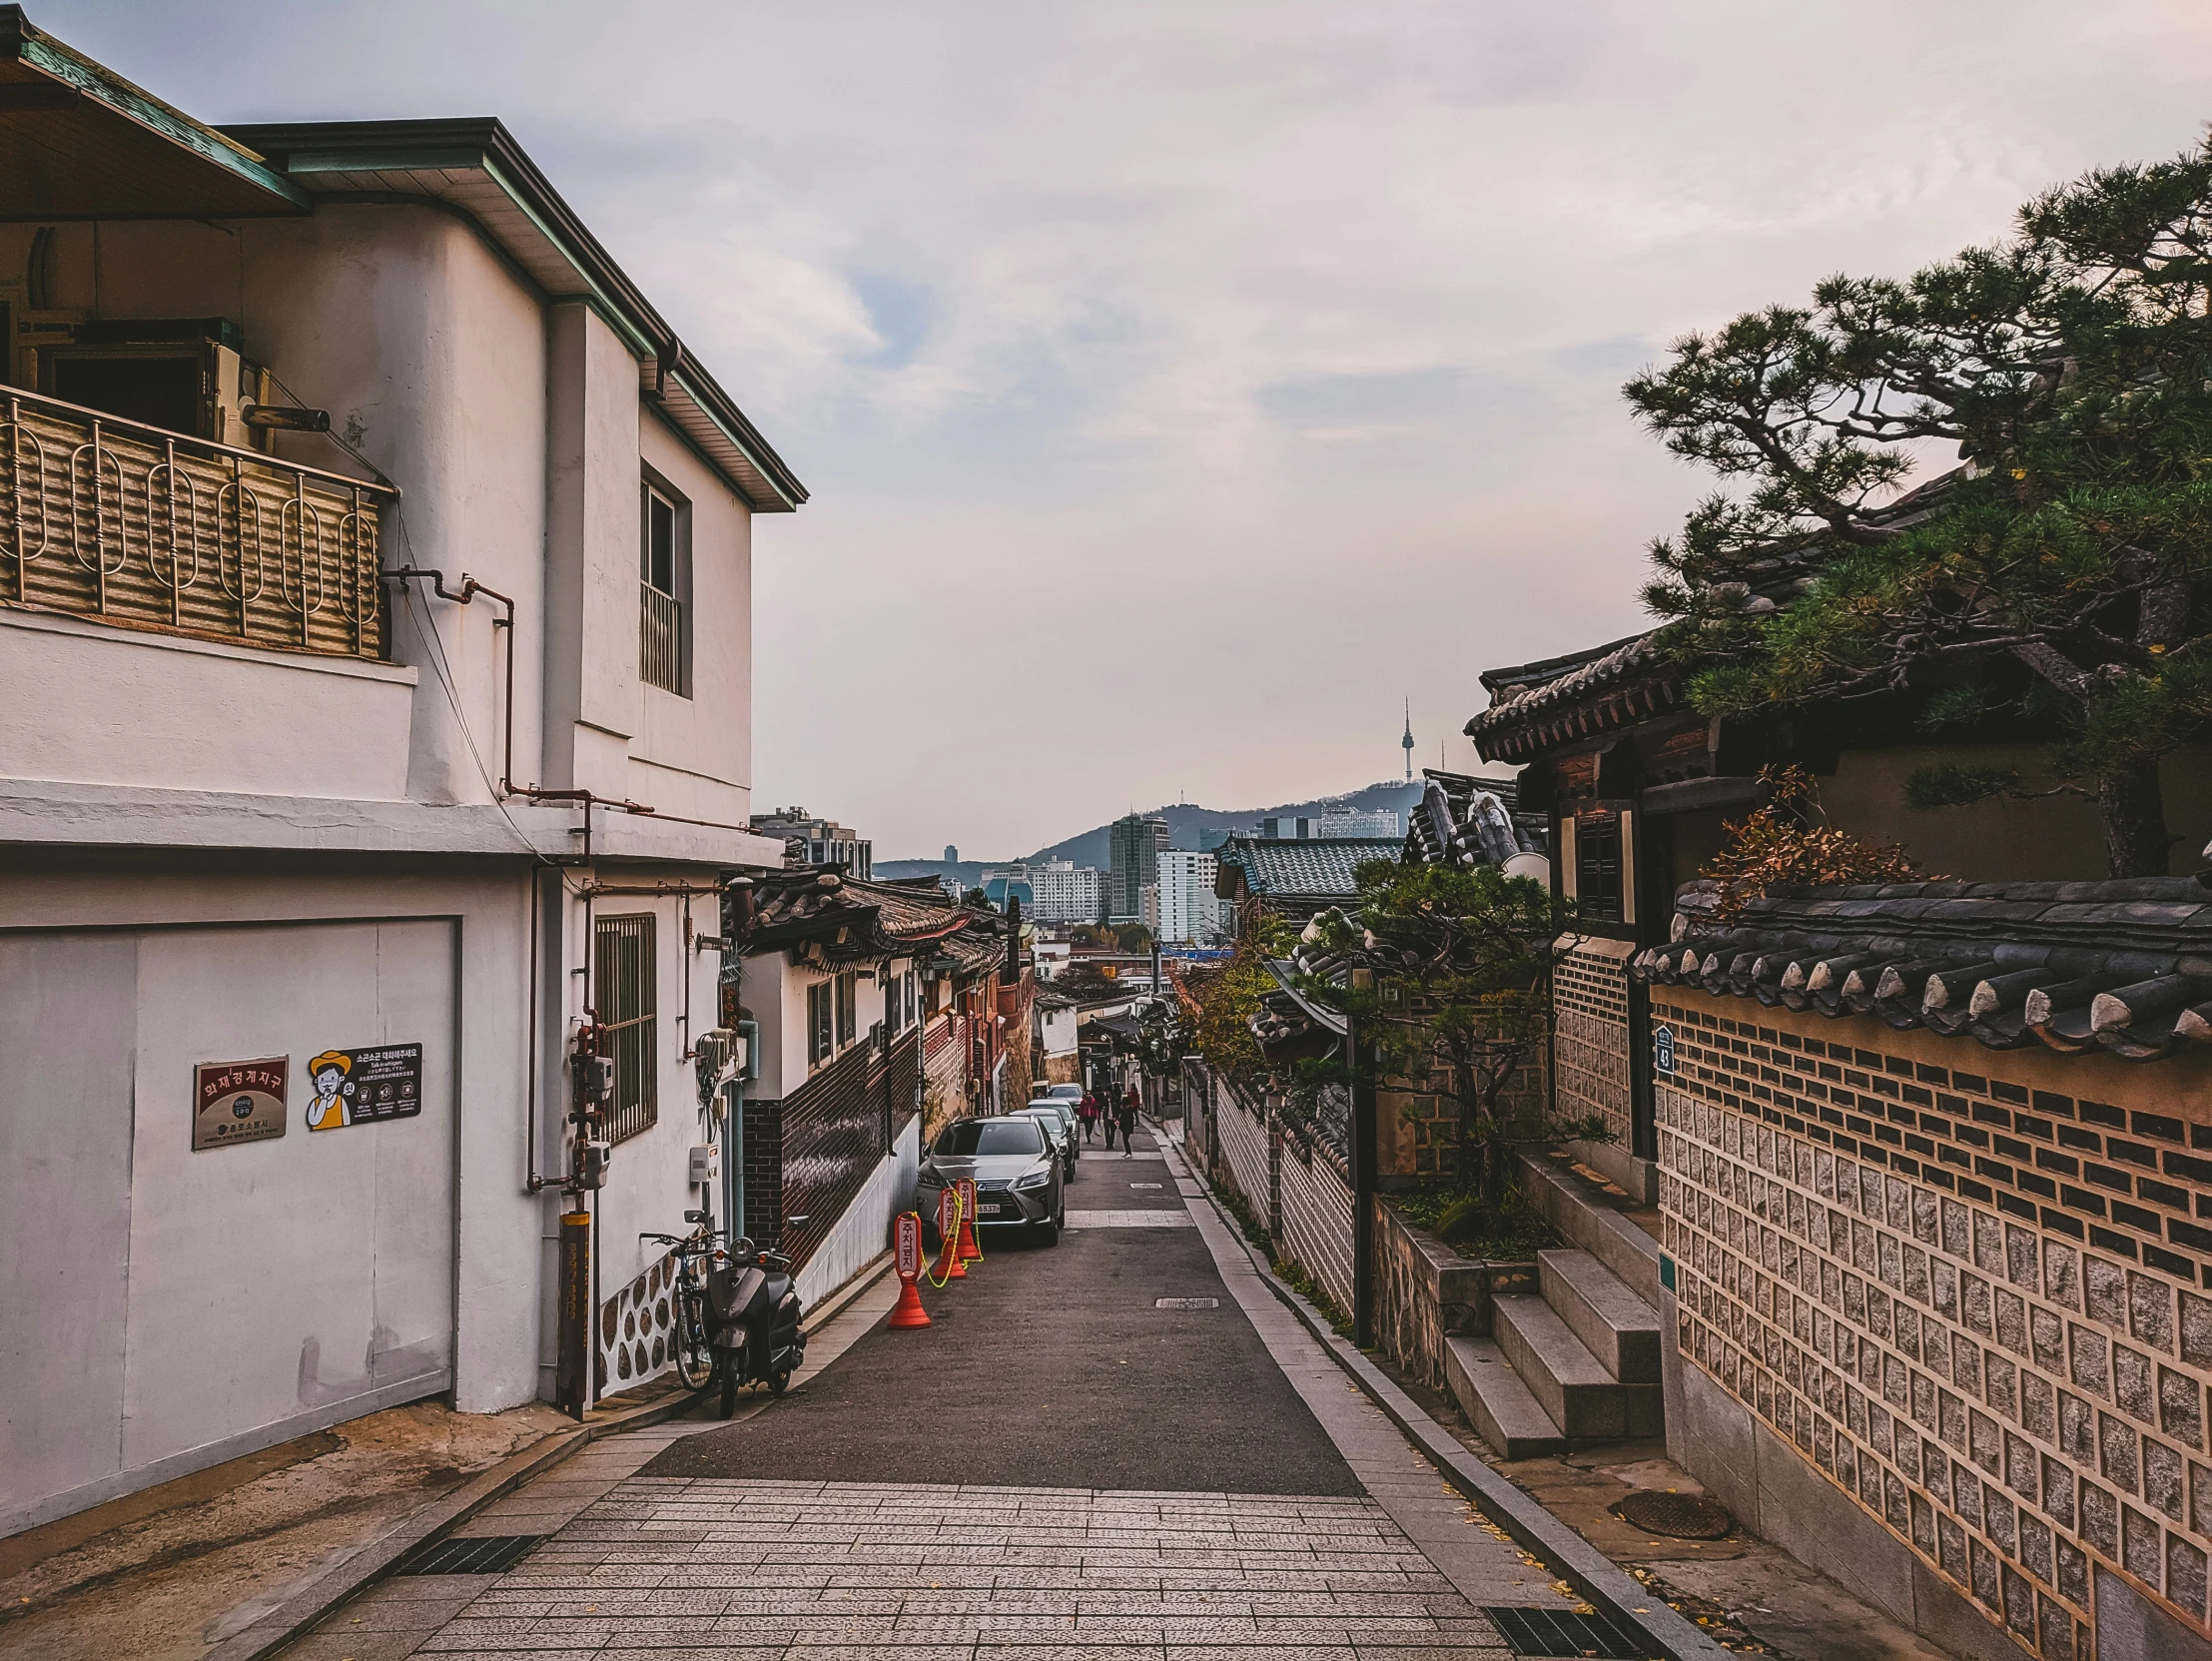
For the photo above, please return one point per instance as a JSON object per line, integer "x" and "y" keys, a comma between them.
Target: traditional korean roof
{"x": 845, "y": 921}
{"x": 1318, "y": 870}
{"x": 1465, "y": 820}
{"x": 2119, "y": 966}
{"x": 1558, "y": 698}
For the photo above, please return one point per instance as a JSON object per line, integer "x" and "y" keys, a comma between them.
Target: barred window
{"x": 821, "y": 1040}
{"x": 623, "y": 985}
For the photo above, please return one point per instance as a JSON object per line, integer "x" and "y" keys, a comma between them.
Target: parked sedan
{"x": 1016, "y": 1166}
{"x": 1066, "y": 1130}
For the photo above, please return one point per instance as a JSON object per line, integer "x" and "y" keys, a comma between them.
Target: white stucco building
{"x": 1189, "y": 911}
{"x": 277, "y": 824}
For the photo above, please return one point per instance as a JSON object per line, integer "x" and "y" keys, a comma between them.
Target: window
{"x": 622, "y": 988}
{"x": 848, "y": 1008}
{"x": 821, "y": 1040}
{"x": 894, "y": 1006}
{"x": 1598, "y": 865}
{"x": 664, "y": 585}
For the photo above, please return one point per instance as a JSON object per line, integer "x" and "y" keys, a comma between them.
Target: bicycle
{"x": 694, "y": 1323}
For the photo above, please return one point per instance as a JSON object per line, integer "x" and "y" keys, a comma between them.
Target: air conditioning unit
{"x": 186, "y": 375}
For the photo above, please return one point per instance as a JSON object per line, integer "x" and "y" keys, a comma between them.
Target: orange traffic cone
{"x": 908, "y": 1312}
{"x": 969, "y": 1252}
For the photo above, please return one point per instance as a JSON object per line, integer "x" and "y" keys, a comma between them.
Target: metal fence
{"x": 133, "y": 524}
{"x": 659, "y": 638}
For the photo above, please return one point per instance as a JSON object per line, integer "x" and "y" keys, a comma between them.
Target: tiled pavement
{"x": 1129, "y": 1219}
{"x": 708, "y": 1567}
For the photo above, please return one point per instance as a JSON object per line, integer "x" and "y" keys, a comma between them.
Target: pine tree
{"x": 2070, "y": 368}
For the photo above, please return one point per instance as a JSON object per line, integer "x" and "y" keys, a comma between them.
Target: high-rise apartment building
{"x": 809, "y": 839}
{"x": 1067, "y": 892}
{"x": 1189, "y": 913}
{"x": 1134, "y": 843}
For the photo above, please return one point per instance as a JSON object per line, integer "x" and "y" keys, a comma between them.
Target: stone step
{"x": 1593, "y": 1222}
{"x": 1571, "y": 1385}
{"x": 1614, "y": 1325}
{"x": 1496, "y": 1402}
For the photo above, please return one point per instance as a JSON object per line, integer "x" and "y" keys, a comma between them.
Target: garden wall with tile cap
{"x": 1292, "y": 1184}
{"x": 1968, "y": 1287}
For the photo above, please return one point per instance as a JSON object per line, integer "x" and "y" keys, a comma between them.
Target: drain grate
{"x": 1186, "y": 1302}
{"x": 1556, "y": 1633}
{"x": 483, "y": 1554}
{"x": 1677, "y": 1517}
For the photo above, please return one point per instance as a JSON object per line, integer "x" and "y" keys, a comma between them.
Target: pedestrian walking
{"x": 1088, "y": 1112}
{"x": 1112, "y": 1120}
{"x": 1129, "y": 1123}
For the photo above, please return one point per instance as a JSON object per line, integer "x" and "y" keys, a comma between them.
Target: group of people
{"x": 1120, "y": 1116}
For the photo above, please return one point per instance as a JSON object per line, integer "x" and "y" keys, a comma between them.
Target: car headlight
{"x": 929, "y": 1178}
{"x": 1036, "y": 1178}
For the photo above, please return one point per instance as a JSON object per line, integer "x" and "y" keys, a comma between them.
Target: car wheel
{"x": 1048, "y": 1231}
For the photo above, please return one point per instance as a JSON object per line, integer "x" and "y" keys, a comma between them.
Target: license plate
{"x": 983, "y": 1209}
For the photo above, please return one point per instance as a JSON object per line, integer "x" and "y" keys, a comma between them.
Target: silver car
{"x": 1066, "y": 1130}
{"x": 1016, "y": 1168}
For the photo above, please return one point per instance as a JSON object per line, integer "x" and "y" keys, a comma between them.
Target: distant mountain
{"x": 1184, "y": 822}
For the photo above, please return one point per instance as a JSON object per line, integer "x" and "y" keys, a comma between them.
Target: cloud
{"x": 1182, "y": 387}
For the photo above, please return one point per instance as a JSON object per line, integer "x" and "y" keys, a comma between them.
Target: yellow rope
{"x": 951, "y": 1252}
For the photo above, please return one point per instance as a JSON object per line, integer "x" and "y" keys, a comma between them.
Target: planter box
{"x": 1425, "y": 1292}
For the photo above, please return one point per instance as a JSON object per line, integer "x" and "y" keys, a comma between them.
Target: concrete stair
{"x": 1496, "y": 1402}
{"x": 1578, "y": 1360}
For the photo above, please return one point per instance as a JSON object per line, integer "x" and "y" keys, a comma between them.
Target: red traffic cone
{"x": 949, "y": 1265}
{"x": 969, "y": 1252}
{"x": 908, "y": 1311}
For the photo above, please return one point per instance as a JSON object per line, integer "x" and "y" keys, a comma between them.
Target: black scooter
{"x": 752, "y": 1315}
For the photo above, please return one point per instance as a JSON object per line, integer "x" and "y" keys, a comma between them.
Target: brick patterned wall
{"x": 1908, "y": 1270}
{"x": 1418, "y": 1129}
{"x": 1590, "y": 1034}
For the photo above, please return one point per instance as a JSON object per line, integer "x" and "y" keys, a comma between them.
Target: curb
{"x": 374, "y": 1561}
{"x": 289, "y": 1619}
{"x": 1608, "y": 1587}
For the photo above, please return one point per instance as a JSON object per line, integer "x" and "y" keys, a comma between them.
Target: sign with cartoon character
{"x": 360, "y": 1086}
{"x": 238, "y": 1101}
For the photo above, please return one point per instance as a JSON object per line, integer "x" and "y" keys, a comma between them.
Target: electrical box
{"x": 706, "y": 1163}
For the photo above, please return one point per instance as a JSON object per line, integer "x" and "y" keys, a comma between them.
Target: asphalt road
{"x": 1052, "y": 1366}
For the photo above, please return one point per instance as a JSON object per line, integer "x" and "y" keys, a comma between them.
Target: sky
{"x": 1183, "y": 387}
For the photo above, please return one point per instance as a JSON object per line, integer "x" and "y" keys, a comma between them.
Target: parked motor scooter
{"x": 753, "y": 1315}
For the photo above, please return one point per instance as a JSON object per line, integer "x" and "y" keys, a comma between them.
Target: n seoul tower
{"x": 1407, "y": 740}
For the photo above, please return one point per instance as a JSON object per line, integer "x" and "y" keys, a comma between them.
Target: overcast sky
{"x": 1184, "y": 386}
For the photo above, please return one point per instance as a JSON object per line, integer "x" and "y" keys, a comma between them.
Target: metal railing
{"x": 659, "y": 638}
{"x": 133, "y": 524}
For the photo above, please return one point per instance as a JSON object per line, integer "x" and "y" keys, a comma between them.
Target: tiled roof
{"x": 2121, "y": 966}
{"x": 1315, "y": 868}
{"x": 1468, "y": 820}
{"x": 853, "y": 921}
{"x": 1521, "y": 697}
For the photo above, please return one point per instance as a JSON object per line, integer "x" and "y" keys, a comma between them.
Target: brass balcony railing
{"x": 659, "y": 638}
{"x": 131, "y": 524}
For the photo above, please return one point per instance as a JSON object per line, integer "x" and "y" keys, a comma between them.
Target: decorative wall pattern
{"x": 1960, "y": 1297}
{"x": 1590, "y": 989}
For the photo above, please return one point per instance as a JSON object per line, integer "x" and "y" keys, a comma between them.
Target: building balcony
{"x": 141, "y": 527}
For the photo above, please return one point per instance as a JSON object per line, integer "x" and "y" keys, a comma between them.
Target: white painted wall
{"x": 235, "y": 1295}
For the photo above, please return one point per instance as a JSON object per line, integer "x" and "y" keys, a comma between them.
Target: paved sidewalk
{"x": 848, "y": 1522}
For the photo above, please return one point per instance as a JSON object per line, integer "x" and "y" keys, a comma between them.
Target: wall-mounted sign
{"x": 360, "y": 1086}
{"x": 1662, "y": 1050}
{"x": 238, "y": 1101}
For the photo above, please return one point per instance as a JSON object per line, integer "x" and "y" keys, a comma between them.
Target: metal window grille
{"x": 1598, "y": 865}
{"x": 622, "y": 987}
{"x": 659, "y": 638}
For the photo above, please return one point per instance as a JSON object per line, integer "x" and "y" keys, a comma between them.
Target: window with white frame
{"x": 664, "y": 588}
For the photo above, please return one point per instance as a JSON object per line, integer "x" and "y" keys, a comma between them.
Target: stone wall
{"x": 1960, "y": 1287}
{"x": 1417, "y": 1122}
{"x": 1425, "y": 1292}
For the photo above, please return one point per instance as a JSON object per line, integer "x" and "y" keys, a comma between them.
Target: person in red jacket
{"x": 1129, "y": 1123}
{"x": 1088, "y": 1112}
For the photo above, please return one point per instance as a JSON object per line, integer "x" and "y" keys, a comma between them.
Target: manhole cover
{"x": 1677, "y": 1517}
{"x": 1186, "y": 1302}
{"x": 1557, "y": 1632}
{"x": 483, "y": 1554}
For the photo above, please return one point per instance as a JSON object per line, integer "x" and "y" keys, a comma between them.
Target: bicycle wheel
{"x": 694, "y": 1354}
